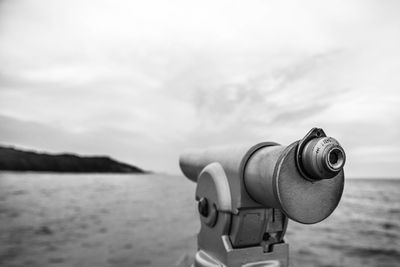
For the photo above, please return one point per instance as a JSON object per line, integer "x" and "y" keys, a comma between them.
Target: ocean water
{"x": 151, "y": 220}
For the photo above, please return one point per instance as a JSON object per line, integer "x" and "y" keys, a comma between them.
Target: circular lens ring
{"x": 335, "y": 158}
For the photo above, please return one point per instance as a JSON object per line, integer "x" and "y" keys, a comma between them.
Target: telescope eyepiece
{"x": 335, "y": 159}
{"x": 323, "y": 158}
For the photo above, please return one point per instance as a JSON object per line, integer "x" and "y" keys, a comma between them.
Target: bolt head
{"x": 203, "y": 206}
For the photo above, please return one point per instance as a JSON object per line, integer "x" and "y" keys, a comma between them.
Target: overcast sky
{"x": 142, "y": 81}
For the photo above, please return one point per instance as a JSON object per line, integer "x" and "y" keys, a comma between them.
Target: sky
{"x": 142, "y": 81}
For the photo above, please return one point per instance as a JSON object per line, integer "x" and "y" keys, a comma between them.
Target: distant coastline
{"x": 13, "y": 159}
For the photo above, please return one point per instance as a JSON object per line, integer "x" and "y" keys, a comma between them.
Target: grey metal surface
{"x": 232, "y": 160}
{"x": 259, "y": 175}
{"x": 300, "y": 199}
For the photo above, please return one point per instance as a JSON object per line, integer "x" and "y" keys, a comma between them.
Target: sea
{"x": 151, "y": 220}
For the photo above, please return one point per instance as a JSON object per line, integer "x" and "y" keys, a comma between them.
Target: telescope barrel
{"x": 194, "y": 161}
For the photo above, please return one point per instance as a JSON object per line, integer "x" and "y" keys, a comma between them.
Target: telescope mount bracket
{"x": 235, "y": 238}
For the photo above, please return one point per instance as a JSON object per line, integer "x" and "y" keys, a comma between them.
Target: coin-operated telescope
{"x": 245, "y": 196}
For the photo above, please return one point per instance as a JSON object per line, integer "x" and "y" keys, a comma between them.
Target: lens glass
{"x": 336, "y": 158}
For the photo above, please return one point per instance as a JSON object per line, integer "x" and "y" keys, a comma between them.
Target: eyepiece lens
{"x": 336, "y": 159}
{"x": 333, "y": 158}
{"x": 323, "y": 158}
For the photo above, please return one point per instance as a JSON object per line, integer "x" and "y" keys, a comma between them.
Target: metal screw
{"x": 203, "y": 206}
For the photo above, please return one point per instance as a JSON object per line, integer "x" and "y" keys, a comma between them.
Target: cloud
{"x": 288, "y": 94}
{"x": 143, "y": 83}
